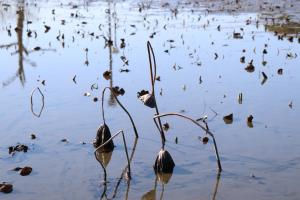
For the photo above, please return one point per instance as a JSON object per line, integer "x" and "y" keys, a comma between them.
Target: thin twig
{"x": 201, "y": 126}
{"x": 8, "y": 45}
{"x": 103, "y": 92}
{"x": 31, "y": 101}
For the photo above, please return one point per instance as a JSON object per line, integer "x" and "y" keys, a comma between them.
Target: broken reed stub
{"x": 240, "y": 98}
{"x": 148, "y": 100}
{"x": 164, "y": 162}
{"x": 103, "y": 134}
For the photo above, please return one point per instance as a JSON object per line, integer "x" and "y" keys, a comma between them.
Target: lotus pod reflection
{"x": 103, "y": 134}
{"x": 164, "y": 178}
{"x": 151, "y": 195}
{"x": 164, "y": 162}
{"x": 103, "y": 157}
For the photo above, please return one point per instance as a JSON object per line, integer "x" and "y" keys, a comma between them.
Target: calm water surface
{"x": 262, "y": 162}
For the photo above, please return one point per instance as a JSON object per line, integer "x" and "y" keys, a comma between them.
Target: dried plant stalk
{"x": 133, "y": 125}
{"x": 153, "y": 78}
{"x": 199, "y": 125}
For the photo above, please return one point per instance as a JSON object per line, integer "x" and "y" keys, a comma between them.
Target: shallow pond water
{"x": 201, "y": 74}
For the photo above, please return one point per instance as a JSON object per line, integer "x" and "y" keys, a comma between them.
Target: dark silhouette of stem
{"x": 103, "y": 92}
{"x": 199, "y": 125}
{"x": 216, "y": 186}
{"x": 153, "y": 78}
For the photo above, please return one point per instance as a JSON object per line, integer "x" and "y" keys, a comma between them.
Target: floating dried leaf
{"x": 250, "y": 118}
{"x": 33, "y": 136}
{"x": 265, "y": 77}
{"x": 242, "y": 59}
{"x": 95, "y": 99}
{"x": 124, "y": 70}
{"x": 107, "y": 75}
{"x": 47, "y": 28}
{"x": 291, "y": 104}
{"x": 6, "y": 188}
{"x": 25, "y": 171}
{"x": 265, "y": 51}
{"x": 74, "y": 79}
{"x": 94, "y": 86}
{"x": 87, "y": 94}
{"x": 141, "y": 93}
{"x": 118, "y": 91}
{"x": 64, "y": 140}
{"x": 250, "y": 67}
{"x": 122, "y": 45}
{"x": 166, "y": 126}
{"x": 237, "y": 35}
{"x": 205, "y": 140}
{"x": 228, "y": 119}
{"x": 37, "y": 48}
{"x": 19, "y": 148}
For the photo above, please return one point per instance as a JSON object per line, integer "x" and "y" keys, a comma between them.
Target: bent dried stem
{"x": 103, "y": 92}
{"x": 125, "y": 169}
{"x": 199, "y": 125}
{"x": 126, "y": 151}
{"x": 31, "y": 102}
{"x": 153, "y": 78}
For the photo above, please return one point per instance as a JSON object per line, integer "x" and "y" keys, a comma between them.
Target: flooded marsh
{"x": 215, "y": 117}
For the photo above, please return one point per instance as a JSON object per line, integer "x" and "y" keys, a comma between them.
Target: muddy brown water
{"x": 261, "y": 162}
